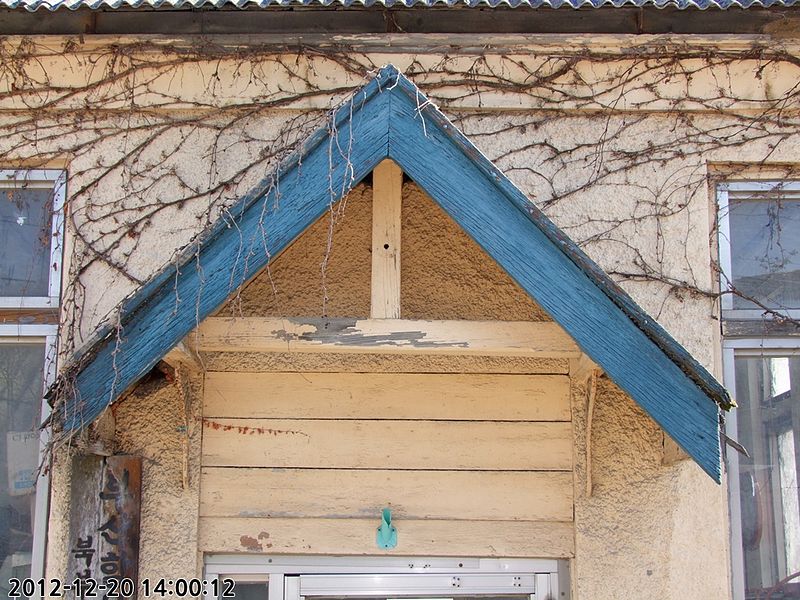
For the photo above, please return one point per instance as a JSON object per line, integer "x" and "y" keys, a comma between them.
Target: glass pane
{"x": 248, "y": 591}
{"x": 765, "y": 251}
{"x": 25, "y": 238}
{"x": 21, "y": 368}
{"x": 768, "y": 424}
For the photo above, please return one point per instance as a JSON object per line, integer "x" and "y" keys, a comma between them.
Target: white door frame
{"x": 298, "y": 578}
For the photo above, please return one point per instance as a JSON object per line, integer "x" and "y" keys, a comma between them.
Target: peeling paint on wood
{"x": 508, "y": 338}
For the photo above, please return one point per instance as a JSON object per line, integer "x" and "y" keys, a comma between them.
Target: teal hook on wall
{"x": 386, "y": 536}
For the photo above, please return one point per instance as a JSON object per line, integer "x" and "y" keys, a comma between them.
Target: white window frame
{"x": 732, "y": 348}
{"x": 48, "y": 334}
{"x": 11, "y": 333}
{"x": 56, "y": 180}
{"x": 743, "y": 346}
{"x": 301, "y": 577}
{"x": 725, "y": 254}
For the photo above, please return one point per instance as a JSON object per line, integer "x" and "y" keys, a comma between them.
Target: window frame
{"x": 763, "y": 336}
{"x": 11, "y": 333}
{"x": 15, "y": 334}
{"x": 731, "y": 349}
{"x": 725, "y": 250}
{"x": 54, "y": 179}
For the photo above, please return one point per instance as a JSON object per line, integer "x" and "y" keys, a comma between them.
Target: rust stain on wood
{"x": 247, "y": 430}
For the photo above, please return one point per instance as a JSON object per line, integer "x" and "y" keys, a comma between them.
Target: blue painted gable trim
{"x": 616, "y": 294}
{"x": 260, "y": 225}
{"x": 390, "y": 117}
{"x": 600, "y": 317}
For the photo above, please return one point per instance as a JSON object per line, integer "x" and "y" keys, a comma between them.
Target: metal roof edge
{"x": 54, "y": 5}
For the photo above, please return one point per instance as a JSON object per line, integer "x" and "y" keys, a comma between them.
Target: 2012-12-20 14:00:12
{"x": 122, "y": 588}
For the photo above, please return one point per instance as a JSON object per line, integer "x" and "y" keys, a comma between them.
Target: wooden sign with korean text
{"x": 105, "y": 505}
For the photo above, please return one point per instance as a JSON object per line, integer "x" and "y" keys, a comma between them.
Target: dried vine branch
{"x": 614, "y": 145}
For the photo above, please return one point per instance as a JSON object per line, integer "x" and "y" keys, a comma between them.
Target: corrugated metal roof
{"x": 33, "y": 5}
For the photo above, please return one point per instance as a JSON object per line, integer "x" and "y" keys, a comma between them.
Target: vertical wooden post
{"x": 387, "y": 192}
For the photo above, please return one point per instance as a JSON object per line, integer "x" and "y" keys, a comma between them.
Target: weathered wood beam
{"x": 387, "y": 198}
{"x": 383, "y": 336}
{"x": 404, "y": 444}
{"x": 672, "y": 452}
{"x": 431, "y": 396}
{"x": 102, "y": 434}
{"x": 344, "y": 493}
{"x": 183, "y": 356}
{"x": 423, "y": 537}
{"x": 582, "y": 368}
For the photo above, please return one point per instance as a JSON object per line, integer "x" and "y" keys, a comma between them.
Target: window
{"x": 759, "y": 240}
{"x": 31, "y": 222}
{"x": 760, "y": 248}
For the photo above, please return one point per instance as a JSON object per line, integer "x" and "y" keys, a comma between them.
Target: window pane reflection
{"x": 768, "y": 422}
{"x": 765, "y": 250}
{"x": 21, "y": 368}
{"x": 25, "y": 238}
{"x": 249, "y": 591}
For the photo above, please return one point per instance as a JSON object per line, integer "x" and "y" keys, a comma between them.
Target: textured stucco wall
{"x": 647, "y": 530}
{"x": 331, "y": 259}
{"x": 150, "y": 423}
{"x": 444, "y": 273}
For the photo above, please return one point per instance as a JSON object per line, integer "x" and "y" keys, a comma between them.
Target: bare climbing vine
{"x": 160, "y": 140}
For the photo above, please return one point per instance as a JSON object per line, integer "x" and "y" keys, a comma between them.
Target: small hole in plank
{"x": 386, "y": 246}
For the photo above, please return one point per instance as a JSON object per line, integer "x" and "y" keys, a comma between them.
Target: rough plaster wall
{"x": 647, "y": 530}
{"x": 58, "y": 525}
{"x": 149, "y": 424}
{"x": 293, "y": 284}
{"x": 444, "y": 274}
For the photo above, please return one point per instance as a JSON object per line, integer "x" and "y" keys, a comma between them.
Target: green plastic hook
{"x": 386, "y": 536}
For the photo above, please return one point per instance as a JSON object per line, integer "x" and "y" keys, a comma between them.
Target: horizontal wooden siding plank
{"x": 387, "y": 396}
{"x": 415, "y": 537}
{"x": 384, "y": 336}
{"x": 460, "y": 495}
{"x": 361, "y": 444}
